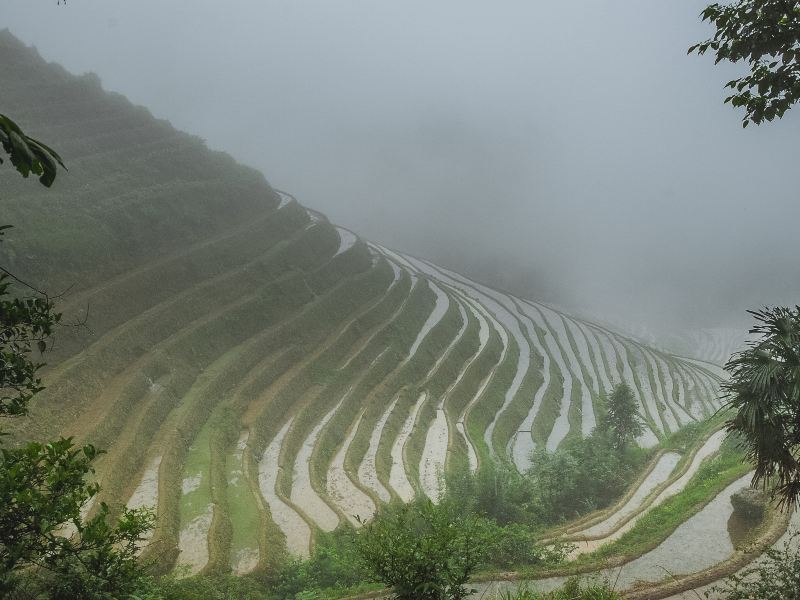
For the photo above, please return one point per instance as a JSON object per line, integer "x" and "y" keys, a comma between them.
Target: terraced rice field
{"x": 345, "y": 391}
{"x": 259, "y": 375}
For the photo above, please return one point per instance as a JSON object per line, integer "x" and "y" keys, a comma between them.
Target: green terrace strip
{"x": 243, "y": 510}
{"x": 341, "y": 487}
{"x": 196, "y": 508}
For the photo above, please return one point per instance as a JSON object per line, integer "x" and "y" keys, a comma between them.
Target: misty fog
{"x": 571, "y": 152}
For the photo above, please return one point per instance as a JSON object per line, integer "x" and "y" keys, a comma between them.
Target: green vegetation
{"x": 334, "y": 570}
{"x": 571, "y": 590}
{"x": 482, "y": 412}
{"x": 47, "y": 550}
{"x": 28, "y": 155}
{"x": 42, "y": 490}
{"x": 582, "y": 475}
{"x": 764, "y": 390}
{"x": 548, "y": 412}
{"x": 422, "y": 551}
{"x": 220, "y": 587}
{"x": 766, "y": 34}
{"x": 621, "y": 421}
{"x": 242, "y": 508}
{"x": 27, "y": 323}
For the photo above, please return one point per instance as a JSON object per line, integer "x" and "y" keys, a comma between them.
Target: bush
{"x": 515, "y": 545}
{"x": 334, "y": 564}
{"x": 43, "y": 486}
{"x": 422, "y": 551}
{"x": 497, "y": 492}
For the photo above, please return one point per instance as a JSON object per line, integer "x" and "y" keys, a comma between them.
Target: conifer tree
{"x": 622, "y": 421}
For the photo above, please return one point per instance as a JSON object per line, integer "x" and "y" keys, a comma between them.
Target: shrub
{"x": 496, "y": 492}
{"x": 422, "y": 551}
{"x": 334, "y": 564}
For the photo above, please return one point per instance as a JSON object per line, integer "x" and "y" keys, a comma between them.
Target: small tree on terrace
{"x": 622, "y": 421}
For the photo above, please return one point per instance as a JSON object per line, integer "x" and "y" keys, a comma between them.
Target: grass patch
{"x": 196, "y": 475}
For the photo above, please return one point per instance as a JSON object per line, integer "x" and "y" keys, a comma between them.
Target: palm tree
{"x": 764, "y": 390}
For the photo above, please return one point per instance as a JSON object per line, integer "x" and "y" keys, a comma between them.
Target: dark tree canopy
{"x": 764, "y": 390}
{"x": 766, "y": 34}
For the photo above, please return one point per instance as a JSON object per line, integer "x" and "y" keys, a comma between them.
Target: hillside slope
{"x": 260, "y": 374}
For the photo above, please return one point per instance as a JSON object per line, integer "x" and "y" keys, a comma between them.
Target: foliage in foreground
{"x": 42, "y": 489}
{"x": 43, "y": 486}
{"x": 28, "y": 155}
{"x": 766, "y": 34}
{"x": 764, "y": 390}
{"x": 219, "y": 587}
{"x": 46, "y": 550}
{"x": 334, "y": 565}
{"x": 26, "y": 323}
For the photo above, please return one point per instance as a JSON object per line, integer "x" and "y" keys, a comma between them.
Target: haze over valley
{"x": 571, "y": 153}
{"x": 353, "y": 293}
